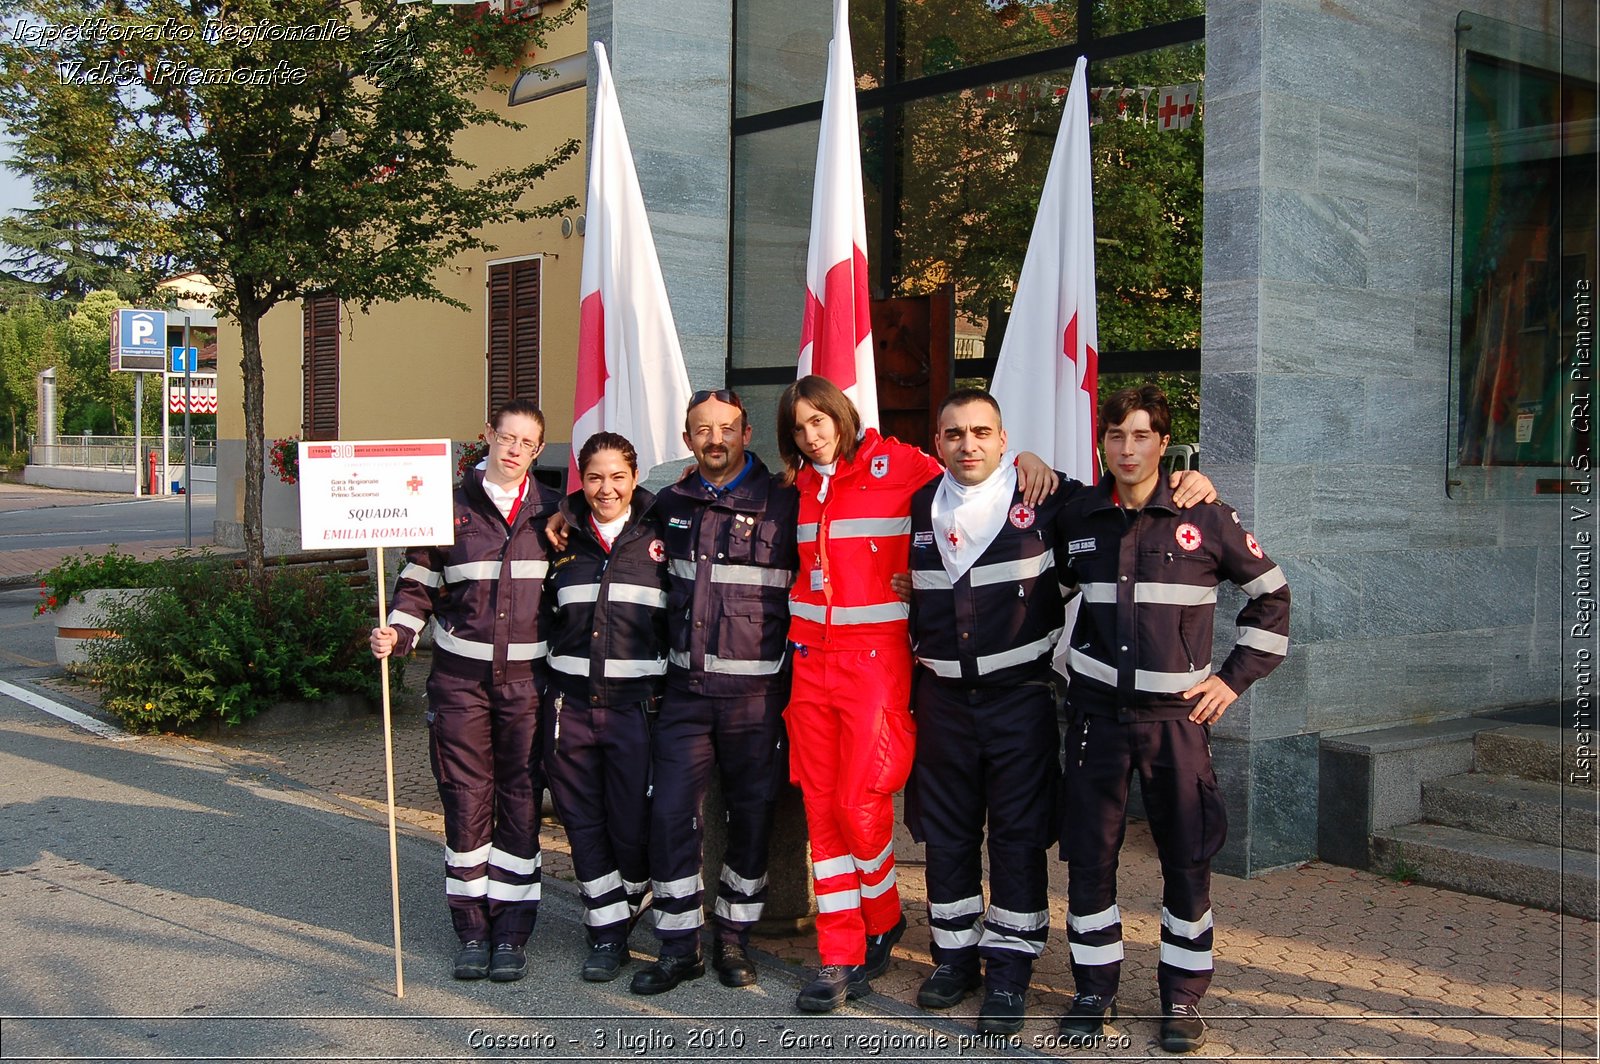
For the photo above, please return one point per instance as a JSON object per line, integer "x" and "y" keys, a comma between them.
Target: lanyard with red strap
{"x": 600, "y": 537}
{"x": 516, "y": 504}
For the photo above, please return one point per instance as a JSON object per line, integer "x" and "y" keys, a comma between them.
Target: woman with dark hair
{"x": 605, "y": 615}
{"x": 851, "y": 736}
{"x": 483, "y": 593}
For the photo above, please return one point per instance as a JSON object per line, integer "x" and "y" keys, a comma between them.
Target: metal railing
{"x": 113, "y": 452}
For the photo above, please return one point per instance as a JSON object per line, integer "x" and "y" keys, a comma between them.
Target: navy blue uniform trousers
{"x": 483, "y": 747}
{"x": 745, "y": 737}
{"x": 1173, "y": 759}
{"x": 597, "y": 765}
{"x": 986, "y": 754}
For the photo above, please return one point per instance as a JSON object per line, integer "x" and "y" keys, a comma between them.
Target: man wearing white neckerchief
{"x": 986, "y": 611}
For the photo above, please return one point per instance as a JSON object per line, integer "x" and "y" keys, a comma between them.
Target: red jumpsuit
{"x": 851, "y": 736}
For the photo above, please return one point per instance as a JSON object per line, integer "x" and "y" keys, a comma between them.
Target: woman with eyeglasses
{"x": 605, "y": 614}
{"x": 851, "y": 736}
{"x": 483, "y": 593}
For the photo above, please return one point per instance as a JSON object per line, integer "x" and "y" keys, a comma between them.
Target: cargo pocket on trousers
{"x": 1213, "y": 818}
{"x": 897, "y": 742}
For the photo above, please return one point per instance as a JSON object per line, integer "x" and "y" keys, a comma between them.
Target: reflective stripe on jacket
{"x": 852, "y": 542}
{"x": 483, "y": 591}
{"x": 606, "y": 613}
{"x": 1149, "y": 582}
{"x": 998, "y": 624}
{"x": 731, "y": 561}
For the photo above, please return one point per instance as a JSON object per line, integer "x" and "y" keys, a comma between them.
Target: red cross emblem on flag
{"x": 953, "y": 537}
{"x": 1250, "y": 542}
{"x": 1188, "y": 537}
{"x": 415, "y": 483}
{"x": 658, "y": 551}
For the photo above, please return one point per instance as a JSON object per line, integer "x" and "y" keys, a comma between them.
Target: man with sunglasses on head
{"x": 730, "y": 541}
{"x": 483, "y": 593}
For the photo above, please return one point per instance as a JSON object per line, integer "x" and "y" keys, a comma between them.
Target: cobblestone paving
{"x": 1313, "y": 963}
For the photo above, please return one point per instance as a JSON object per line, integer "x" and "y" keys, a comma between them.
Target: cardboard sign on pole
{"x": 376, "y": 494}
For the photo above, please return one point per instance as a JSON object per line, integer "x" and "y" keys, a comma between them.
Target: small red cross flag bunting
{"x": 1175, "y": 105}
{"x": 1188, "y": 537}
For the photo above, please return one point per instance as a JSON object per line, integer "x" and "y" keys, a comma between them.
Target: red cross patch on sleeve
{"x": 1250, "y": 542}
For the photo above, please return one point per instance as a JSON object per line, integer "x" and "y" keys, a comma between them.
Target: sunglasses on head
{"x": 721, "y": 395}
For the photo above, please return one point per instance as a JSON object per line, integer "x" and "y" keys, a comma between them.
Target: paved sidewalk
{"x": 1313, "y": 963}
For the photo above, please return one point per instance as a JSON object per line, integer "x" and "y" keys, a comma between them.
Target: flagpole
{"x": 388, "y": 777}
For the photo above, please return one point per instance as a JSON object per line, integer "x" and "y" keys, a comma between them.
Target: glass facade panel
{"x": 1121, "y": 16}
{"x": 941, "y": 35}
{"x": 782, "y": 51}
{"x": 1526, "y": 231}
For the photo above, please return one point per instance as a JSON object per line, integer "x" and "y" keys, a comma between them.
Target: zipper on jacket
{"x": 556, "y": 738}
{"x": 1083, "y": 745}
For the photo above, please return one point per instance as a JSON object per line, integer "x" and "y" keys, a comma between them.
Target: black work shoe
{"x": 733, "y": 964}
{"x": 472, "y": 960}
{"x": 947, "y": 986}
{"x": 605, "y": 961}
{"x": 879, "y": 947}
{"x": 1182, "y": 1029}
{"x": 1002, "y": 1012}
{"x": 508, "y": 964}
{"x": 1088, "y": 1014}
{"x": 666, "y": 973}
{"x": 833, "y": 984}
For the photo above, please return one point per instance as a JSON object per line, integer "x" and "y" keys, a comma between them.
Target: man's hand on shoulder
{"x": 556, "y": 530}
{"x": 1191, "y": 487}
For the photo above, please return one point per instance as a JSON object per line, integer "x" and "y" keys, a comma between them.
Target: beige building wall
{"x": 417, "y": 368}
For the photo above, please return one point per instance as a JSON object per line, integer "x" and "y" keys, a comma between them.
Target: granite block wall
{"x": 1326, "y": 359}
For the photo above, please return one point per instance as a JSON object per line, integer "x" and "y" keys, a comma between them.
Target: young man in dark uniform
{"x": 1143, "y": 697}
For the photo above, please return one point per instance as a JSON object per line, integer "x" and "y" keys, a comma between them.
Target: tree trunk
{"x": 254, "y": 441}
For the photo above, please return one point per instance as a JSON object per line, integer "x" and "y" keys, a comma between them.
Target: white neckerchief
{"x": 609, "y": 530}
{"x": 503, "y": 498}
{"x": 967, "y": 518}
{"x": 826, "y": 471}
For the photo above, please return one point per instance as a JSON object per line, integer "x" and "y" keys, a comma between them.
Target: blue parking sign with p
{"x": 140, "y": 340}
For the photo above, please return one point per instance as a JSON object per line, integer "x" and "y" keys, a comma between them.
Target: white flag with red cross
{"x": 1046, "y": 377}
{"x": 836, "y": 333}
{"x": 1175, "y": 105}
{"x": 631, "y": 378}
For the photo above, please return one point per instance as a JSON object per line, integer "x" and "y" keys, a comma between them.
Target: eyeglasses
{"x": 513, "y": 442}
{"x": 721, "y": 395}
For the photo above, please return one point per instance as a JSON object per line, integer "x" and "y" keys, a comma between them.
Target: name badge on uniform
{"x": 922, "y": 539}
{"x": 816, "y": 579}
{"x": 1081, "y": 546}
{"x": 678, "y": 522}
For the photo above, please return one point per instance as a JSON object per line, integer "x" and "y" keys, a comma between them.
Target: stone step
{"x": 1537, "y": 752}
{"x": 1513, "y": 870}
{"x": 1513, "y": 808}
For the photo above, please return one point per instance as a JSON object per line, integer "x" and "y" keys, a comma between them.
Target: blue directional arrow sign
{"x": 183, "y": 359}
{"x": 139, "y": 340}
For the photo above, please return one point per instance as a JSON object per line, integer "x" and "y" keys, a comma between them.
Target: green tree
{"x": 30, "y": 342}
{"x": 227, "y": 140}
